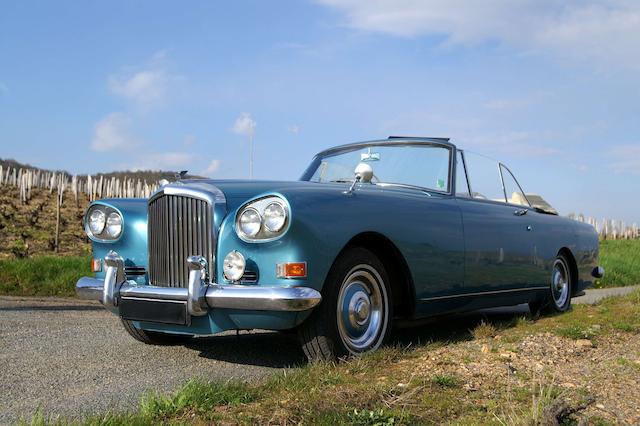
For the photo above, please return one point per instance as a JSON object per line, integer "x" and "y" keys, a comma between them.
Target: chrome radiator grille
{"x": 179, "y": 226}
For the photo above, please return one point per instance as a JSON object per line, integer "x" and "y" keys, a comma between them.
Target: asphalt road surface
{"x": 69, "y": 358}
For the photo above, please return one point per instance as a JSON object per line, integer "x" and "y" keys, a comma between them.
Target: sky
{"x": 550, "y": 88}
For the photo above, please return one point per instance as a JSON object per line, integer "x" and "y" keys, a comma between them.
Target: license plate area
{"x": 152, "y": 310}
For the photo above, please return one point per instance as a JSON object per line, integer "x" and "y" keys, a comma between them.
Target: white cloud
{"x": 513, "y": 144}
{"x": 626, "y": 159}
{"x": 189, "y": 140}
{"x": 602, "y": 31}
{"x": 294, "y": 128}
{"x": 162, "y": 161}
{"x": 212, "y": 168}
{"x": 146, "y": 87}
{"x": 113, "y": 132}
{"x": 244, "y": 125}
{"x": 506, "y": 104}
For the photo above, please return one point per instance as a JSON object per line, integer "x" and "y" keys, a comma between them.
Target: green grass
{"x": 42, "y": 276}
{"x": 445, "y": 380}
{"x": 621, "y": 261}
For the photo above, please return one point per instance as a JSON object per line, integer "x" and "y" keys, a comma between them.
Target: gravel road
{"x": 70, "y": 357}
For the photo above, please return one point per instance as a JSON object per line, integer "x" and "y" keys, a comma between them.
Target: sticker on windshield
{"x": 440, "y": 184}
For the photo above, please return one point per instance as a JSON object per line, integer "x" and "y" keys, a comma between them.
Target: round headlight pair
{"x": 103, "y": 223}
{"x": 262, "y": 219}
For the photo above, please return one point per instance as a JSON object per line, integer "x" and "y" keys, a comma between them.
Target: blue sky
{"x": 549, "y": 87}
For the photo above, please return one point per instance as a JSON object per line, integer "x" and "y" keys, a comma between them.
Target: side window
{"x": 484, "y": 177}
{"x": 462, "y": 186}
{"x": 515, "y": 195}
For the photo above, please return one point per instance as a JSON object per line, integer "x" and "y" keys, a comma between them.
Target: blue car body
{"x": 446, "y": 253}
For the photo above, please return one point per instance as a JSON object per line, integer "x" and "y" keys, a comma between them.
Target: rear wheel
{"x": 558, "y": 299}
{"x": 154, "y": 337}
{"x": 560, "y": 285}
{"x": 355, "y": 314}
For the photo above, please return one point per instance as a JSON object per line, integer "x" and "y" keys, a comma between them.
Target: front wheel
{"x": 154, "y": 337}
{"x": 355, "y": 314}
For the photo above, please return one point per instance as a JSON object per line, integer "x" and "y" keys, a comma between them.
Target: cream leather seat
{"x": 518, "y": 199}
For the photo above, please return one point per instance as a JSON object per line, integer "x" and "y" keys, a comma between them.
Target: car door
{"x": 497, "y": 232}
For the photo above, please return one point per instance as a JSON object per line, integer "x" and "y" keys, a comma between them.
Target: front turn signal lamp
{"x": 291, "y": 270}
{"x": 96, "y": 265}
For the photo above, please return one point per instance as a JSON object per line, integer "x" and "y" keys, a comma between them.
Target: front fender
{"x": 132, "y": 245}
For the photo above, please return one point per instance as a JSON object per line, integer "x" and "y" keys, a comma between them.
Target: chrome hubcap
{"x": 362, "y": 309}
{"x": 560, "y": 283}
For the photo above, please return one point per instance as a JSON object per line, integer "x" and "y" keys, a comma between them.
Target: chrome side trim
{"x": 481, "y": 293}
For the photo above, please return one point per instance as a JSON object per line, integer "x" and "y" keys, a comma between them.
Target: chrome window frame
{"x": 438, "y": 142}
{"x": 517, "y": 183}
{"x": 500, "y": 166}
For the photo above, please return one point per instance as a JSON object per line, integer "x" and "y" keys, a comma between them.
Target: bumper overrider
{"x": 177, "y": 305}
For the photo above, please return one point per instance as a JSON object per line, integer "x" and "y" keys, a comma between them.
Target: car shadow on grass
{"x": 282, "y": 350}
{"x": 457, "y": 328}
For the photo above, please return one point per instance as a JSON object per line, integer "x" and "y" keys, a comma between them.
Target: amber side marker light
{"x": 291, "y": 270}
{"x": 96, "y": 265}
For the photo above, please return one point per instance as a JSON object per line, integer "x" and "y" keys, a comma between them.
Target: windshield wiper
{"x": 341, "y": 180}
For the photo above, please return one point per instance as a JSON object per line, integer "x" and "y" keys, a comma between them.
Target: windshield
{"x": 425, "y": 166}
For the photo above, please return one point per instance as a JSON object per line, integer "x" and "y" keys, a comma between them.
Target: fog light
{"x": 96, "y": 265}
{"x": 233, "y": 266}
{"x": 291, "y": 270}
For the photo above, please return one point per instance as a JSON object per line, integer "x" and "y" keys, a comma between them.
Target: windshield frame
{"x": 441, "y": 143}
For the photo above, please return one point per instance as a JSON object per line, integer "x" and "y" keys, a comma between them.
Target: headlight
{"x": 114, "y": 225}
{"x": 250, "y": 222}
{"x": 263, "y": 220}
{"x": 233, "y": 266}
{"x": 103, "y": 223}
{"x": 97, "y": 220}
{"x": 274, "y": 217}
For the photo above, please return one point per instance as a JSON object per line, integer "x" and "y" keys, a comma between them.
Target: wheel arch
{"x": 573, "y": 265}
{"x": 402, "y": 289}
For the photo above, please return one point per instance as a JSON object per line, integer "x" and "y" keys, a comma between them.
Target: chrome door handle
{"x": 521, "y": 212}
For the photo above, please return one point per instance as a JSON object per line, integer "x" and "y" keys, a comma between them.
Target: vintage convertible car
{"x": 373, "y": 232}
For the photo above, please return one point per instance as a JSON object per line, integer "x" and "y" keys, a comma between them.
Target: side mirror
{"x": 364, "y": 173}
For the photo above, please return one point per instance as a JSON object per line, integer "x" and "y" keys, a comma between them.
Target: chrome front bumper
{"x": 199, "y": 296}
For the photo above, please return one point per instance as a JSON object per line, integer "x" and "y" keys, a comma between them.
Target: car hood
{"x": 237, "y": 192}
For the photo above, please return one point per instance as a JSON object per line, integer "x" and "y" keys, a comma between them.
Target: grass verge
{"x": 42, "y": 276}
{"x": 621, "y": 261}
{"x": 524, "y": 372}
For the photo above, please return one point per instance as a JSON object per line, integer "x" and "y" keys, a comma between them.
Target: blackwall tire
{"x": 154, "y": 337}
{"x": 559, "y": 298}
{"x": 355, "y": 315}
